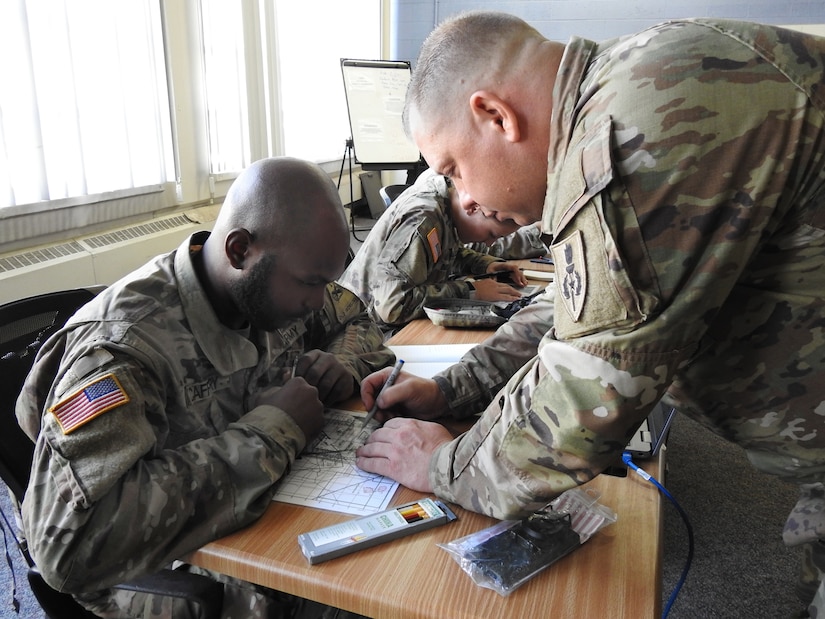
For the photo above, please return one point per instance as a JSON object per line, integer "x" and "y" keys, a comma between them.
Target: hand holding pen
{"x": 508, "y": 272}
{"x": 410, "y": 395}
{"x": 390, "y": 380}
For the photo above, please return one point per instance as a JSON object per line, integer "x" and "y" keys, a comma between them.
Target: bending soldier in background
{"x": 415, "y": 252}
{"x": 689, "y": 243}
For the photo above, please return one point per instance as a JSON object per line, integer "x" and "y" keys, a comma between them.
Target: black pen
{"x": 393, "y": 375}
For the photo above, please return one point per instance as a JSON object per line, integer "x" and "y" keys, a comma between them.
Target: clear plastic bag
{"x": 508, "y": 554}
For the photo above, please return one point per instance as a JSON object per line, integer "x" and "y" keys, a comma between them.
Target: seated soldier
{"x": 167, "y": 409}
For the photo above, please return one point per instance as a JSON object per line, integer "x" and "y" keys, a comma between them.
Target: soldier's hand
{"x": 491, "y": 290}
{"x": 299, "y": 400}
{"x": 402, "y": 450}
{"x": 325, "y": 372}
{"x": 411, "y": 396}
{"x": 509, "y": 268}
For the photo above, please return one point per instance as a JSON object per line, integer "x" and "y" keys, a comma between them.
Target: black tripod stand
{"x": 348, "y": 158}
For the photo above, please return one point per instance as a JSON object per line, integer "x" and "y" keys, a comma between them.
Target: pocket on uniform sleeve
{"x": 594, "y": 291}
{"x": 586, "y": 299}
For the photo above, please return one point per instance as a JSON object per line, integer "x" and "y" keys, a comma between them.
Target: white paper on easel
{"x": 428, "y": 360}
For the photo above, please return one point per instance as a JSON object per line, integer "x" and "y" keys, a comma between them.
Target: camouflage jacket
{"x": 172, "y": 456}
{"x": 686, "y": 200}
{"x": 412, "y": 254}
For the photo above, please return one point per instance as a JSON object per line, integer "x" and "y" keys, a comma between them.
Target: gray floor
{"x": 29, "y": 609}
{"x": 740, "y": 567}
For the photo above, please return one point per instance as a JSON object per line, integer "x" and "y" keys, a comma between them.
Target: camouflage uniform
{"x": 175, "y": 457}
{"x": 686, "y": 184}
{"x": 526, "y": 242}
{"x": 357, "y": 341}
{"x": 471, "y": 384}
{"x": 411, "y": 255}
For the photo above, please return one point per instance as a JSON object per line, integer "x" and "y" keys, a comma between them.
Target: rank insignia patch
{"x": 571, "y": 276}
{"x": 435, "y": 244}
{"x": 97, "y": 397}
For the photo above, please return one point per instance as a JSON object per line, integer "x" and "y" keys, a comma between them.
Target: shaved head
{"x": 280, "y": 198}
{"x": 280, "y": 237}
{"x": 467, "y": 52}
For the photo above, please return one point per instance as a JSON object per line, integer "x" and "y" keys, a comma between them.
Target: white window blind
{"x": 83, "y": 102}
{"x": 273, "y": 77}
{"x": 225, "y": 79}
{"x": 115, "y": 109}
{"x": 317, "y": 35}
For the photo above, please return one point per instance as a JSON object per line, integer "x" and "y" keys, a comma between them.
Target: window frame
{"x": 31, "y": 225}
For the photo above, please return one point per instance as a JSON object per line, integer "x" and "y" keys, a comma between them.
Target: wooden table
{"x": 617, "y": 573}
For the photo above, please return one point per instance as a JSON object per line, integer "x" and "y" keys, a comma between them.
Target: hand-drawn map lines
{"x": 324, "y": 475}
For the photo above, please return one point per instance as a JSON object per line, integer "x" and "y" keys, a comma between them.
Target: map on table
{"x": 325, "y": 476}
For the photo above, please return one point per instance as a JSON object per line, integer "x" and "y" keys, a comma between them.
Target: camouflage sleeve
{"x": 106, "y": 504}
{"x": 526, "y": 242}
{"x": 360, "y": 348}
{"x": 470, "y": 385}
{"x": 344, "y": 329}
{"x": 553, "y": 426}
{"x": 471, "y": 262}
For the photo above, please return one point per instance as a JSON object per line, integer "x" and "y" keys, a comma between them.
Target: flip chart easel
{"x": 375, "y": 91}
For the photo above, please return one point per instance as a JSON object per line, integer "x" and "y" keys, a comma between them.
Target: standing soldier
{"x": 681, "y": 174}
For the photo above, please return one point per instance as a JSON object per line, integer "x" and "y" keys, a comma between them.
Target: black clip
{"x": 511, "y": 308}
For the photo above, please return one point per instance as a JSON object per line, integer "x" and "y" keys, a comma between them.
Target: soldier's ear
{"x": 491, "y": 112}
{"x": 237, "y": 245}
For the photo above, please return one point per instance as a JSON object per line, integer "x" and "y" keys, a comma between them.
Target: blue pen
{"x": 393, "y": 375}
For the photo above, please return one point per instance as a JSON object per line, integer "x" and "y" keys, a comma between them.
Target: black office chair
{"x": 24, "y": 327}
{"x": 390, "y": 192}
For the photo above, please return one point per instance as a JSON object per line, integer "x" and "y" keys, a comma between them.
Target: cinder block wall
{"x": 412, "y": 20}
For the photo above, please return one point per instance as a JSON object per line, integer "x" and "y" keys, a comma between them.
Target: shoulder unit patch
{"x": 571, "y": 274}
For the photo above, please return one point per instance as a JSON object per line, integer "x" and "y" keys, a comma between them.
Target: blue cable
{"x": 627, "y": 458}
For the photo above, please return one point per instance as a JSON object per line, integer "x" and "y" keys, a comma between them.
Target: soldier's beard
{"x": 251, "y": 295}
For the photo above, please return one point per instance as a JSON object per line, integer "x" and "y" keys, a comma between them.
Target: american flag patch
{"x": 99, "y": 396}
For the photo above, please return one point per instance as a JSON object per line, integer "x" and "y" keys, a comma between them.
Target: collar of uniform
{"x": 447, "y": 208}
{"x": 577, "y": 55}
{"x": 226, "y": 349}
{"x": 430, "y": 181}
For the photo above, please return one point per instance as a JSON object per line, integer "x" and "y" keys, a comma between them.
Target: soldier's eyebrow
{"x": 312, "y": 278}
